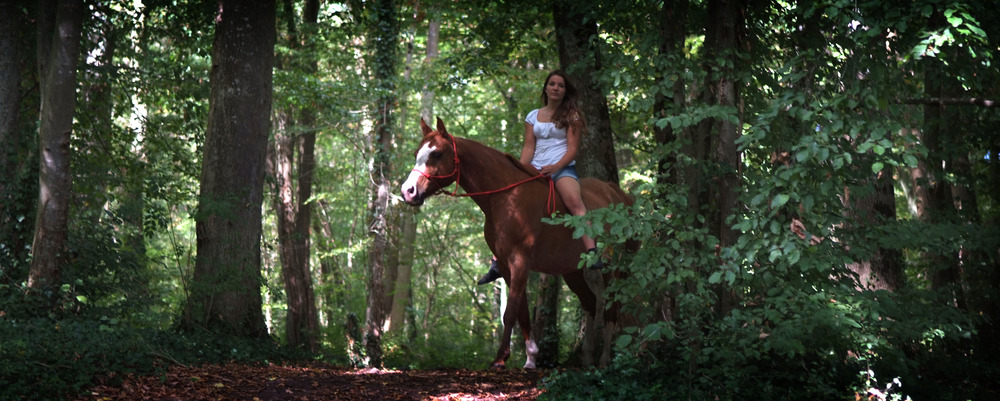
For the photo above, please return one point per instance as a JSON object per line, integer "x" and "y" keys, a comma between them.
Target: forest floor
{"x": 319, "y": 382}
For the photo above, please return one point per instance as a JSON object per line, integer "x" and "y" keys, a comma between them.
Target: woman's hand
{"x": 549, "y": 170}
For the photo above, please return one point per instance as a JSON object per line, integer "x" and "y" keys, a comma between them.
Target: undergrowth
{"x": 57, "y": 357}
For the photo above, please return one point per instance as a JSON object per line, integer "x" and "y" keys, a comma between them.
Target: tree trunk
{"x": 884, "y": 269}
{"x": 669, "y": 173}
{"x": 60, "y": 25}
{"x": 427, "y": 95}
{"x": 402, "y": 296}
{"x": 671, "y": 48}
{"x": 96, "y": 134}
{"x": 19, "y": 116}
{"x": 14, "y": 233}
{"x": 384, "y": 39}
{"x": 934, "y": 203}
{"x": 575, "y": 30}
{"x": 10, "y": 89}
{"x": 329, "y": 276}
{"x": 225, "y": 290}
{"x": 576, "y": 34}
{"x": 290, "y": 200}
{"x": 303, "y": 219}
{"x": 545, "y": 326}
{"x": 720, "y": 90}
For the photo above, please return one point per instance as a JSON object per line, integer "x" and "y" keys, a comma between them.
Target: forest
{"x": 195, "y": 183}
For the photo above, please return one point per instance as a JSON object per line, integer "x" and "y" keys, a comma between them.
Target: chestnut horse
{"x": 514, "y": 198}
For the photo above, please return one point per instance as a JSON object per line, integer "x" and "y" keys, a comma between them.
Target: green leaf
{"x": 774, "y": 255}
{"x": 779, "y": 200}
{"x": 877, "y": 166}
{"x": 793, "y": 256}
{"x": 802, "y": 155}
{"x": 623, "y": 340}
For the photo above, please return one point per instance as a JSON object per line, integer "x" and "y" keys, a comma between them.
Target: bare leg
{"x": 569, "y": 189}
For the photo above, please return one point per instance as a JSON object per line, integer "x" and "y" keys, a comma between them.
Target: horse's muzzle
{"x": 412, "y": 196}
{"x": 411, "y": 190}
{"x": 414, "y": 201}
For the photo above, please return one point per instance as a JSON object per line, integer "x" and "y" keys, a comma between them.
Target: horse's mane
{"x": 528, "y": 169}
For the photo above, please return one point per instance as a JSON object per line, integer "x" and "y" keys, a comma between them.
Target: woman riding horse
{"x": 552, "y": 137}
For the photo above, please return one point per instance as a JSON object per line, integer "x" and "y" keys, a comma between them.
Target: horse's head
{"x": 436, "y": 165}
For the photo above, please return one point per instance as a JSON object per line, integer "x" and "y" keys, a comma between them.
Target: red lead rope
{"x": 550, "y": 203}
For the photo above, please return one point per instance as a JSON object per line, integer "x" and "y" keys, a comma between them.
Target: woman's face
{"x": 555, "y": 88}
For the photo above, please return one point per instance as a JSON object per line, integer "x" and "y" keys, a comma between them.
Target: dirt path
{"x": 320, "y": 382}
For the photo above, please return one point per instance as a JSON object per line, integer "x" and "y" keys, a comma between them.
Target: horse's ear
{"x": 424, "y": 127}
{"x": 440, "y": 128}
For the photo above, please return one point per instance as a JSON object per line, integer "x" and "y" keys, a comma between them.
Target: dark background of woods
{"x": 816, "y": 189}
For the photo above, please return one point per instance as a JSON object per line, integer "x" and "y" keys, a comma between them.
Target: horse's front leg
{"x": 500, "y": 362}
{"x": 517, "y": 306}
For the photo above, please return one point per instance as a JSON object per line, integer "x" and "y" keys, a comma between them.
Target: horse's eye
{"x": 435, "y": 155}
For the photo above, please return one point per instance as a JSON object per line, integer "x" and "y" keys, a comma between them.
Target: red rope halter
{"x": 550, "y": 203}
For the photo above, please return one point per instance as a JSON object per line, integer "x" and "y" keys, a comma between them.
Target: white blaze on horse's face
{"x": 412, "y": 192}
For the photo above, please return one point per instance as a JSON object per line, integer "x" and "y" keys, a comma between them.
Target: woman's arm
{"x": 528, "y": 151}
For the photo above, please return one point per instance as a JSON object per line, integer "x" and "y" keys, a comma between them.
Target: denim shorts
{"x": 568, "y": 171}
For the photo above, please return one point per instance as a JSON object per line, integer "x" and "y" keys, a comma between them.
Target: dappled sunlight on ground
{"x": 318, "y": 382}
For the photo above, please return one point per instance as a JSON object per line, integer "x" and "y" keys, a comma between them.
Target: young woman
{"x": 552, "y": 136}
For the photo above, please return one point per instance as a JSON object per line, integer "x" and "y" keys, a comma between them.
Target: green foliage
{"x": 56, "y": 358}
{"x": 800, "y": 328}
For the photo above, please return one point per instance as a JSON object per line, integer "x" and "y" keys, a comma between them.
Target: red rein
{"x": 550, "y": 203}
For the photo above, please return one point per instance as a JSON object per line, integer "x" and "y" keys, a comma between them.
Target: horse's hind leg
{"x": 576, "y": 282}
{"x": 530, "y": 348}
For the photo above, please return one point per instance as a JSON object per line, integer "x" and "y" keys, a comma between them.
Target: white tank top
{"x": 550, "y": 142}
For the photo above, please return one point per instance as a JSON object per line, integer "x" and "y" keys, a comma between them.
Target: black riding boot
{"x": 598, "y": 263}
{"x": 491, "y": 275}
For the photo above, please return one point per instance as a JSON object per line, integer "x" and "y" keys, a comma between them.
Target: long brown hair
{"x": 568, "y": 112}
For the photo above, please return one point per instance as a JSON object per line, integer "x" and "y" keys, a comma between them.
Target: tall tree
{"x": 720, "y": 89}
{"x": 579, "y": 56}
{"x": 384, "y": 40}
{"x": 18, "y": 116}
{"x": 225, "y": 290}
{"x": 402, "y": 296}
{"x": 59, "y": 31}
{"x": 10, "y": 86}
{"x": 673, "y": 13}
{"x": 717, "y": 136}
{"x": 291, "y": 199}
